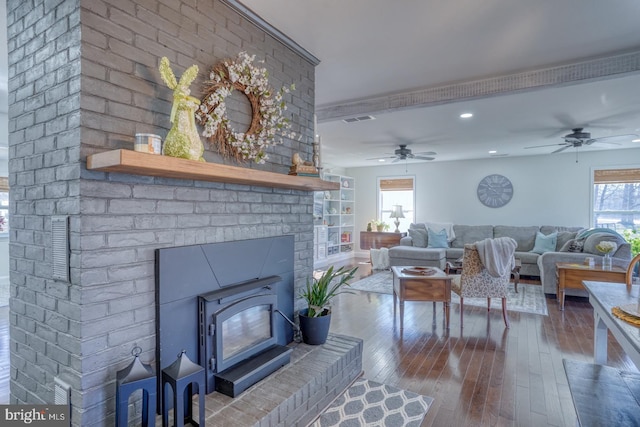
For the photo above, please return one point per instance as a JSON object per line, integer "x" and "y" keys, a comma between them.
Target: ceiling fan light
{"x": 466, "y": 115}
{"x": 492, "y": 151}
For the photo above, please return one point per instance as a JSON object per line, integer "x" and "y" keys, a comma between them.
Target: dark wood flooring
{"x": 483, "y": 374}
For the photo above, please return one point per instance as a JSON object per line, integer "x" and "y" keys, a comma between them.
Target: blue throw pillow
{"x": 437, "y": 239}
{"x": 545, "y": 243}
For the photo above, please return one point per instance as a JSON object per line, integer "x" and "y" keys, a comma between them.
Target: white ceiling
{"x": 373, "y": 48}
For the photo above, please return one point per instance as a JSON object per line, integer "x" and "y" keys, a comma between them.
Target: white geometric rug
{"x": 368, "y": 403}
{"x": 529, "y": 299}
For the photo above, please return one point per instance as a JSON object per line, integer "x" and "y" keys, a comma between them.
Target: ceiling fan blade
{"x": 423, "y": 158}
{"x": 561, "y": 149}
{"x": 568, "y": 122}
{"x": 397, "y": 160}
{"x": 547, "y": 145}
{"x": 425, "y": 153}
{"x": 382, "y": 157}
{"x": 611, "y": 139}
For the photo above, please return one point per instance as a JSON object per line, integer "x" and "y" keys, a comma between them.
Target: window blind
{"x": 396, "y": 184}
{"x": 616, "y": 176}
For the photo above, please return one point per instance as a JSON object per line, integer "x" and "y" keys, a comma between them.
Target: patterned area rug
{"x": 367, "y": 403}
{"x": 529, "y": 299}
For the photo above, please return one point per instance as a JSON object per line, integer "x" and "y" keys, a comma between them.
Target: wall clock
{"x": 495, "y": 191}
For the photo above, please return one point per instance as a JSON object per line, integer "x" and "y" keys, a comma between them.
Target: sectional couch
{"x": 573, "y": 244}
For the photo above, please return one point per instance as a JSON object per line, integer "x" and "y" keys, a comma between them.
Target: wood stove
{"x": 227, "y": 305}
{"x": 239, "y": 336}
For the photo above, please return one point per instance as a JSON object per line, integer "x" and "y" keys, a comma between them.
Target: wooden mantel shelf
{"x": 137, "y": 163}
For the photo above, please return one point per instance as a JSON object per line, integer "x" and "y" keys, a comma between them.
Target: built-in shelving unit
{"x": 137, "y": 163}
{"x": 337, "y": 214}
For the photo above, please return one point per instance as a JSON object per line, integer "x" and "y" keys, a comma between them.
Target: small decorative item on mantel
{"x": 148, "y": 143}
{"x": 300, "y": 167}
{"x": 182, "y": 140}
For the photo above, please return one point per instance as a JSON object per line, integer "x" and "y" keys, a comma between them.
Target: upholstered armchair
{"x": 476, "y": 281}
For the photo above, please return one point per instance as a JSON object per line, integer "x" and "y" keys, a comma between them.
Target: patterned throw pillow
{"x": 564, "y": 237}
{"x": 419, "y": 237}
{"x": 573, "y": 245}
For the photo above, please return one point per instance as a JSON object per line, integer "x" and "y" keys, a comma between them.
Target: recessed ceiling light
{"x": 381, "y": 160}
{"x": 492, "y": 152}
{"x": 635, "y": 140}
{"x": 466, "y": 115}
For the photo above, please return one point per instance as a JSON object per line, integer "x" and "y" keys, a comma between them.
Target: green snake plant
{"x": 319, "y": 292}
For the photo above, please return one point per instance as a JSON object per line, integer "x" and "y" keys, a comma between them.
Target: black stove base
{"x": 237, "y": 379}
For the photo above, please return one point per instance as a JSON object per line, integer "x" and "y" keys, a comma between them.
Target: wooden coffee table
{"x": 571, "y": 275}
{"x": 415, "y": 287}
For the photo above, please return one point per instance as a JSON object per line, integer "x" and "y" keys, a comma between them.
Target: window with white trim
{"x": 393, "y": 192}
{"x": 616, "y": 199}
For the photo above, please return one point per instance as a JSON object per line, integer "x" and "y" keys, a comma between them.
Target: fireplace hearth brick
{"x": 295, "y": 394}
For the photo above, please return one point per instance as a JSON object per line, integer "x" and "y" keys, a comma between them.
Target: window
{"x": 616, "y": 199}
{"x": 396, "y": 191}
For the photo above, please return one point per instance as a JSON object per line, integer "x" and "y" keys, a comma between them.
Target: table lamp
{"x": 396, "y": 212}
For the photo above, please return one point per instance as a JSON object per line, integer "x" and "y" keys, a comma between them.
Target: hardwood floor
{"x": 483, "y": 374}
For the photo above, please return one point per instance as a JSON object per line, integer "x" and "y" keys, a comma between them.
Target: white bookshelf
{"x": 338, "y": 208}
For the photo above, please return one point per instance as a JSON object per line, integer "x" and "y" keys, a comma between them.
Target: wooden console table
{"x": 377, "y": 240}
{"x": 571, "y": 276}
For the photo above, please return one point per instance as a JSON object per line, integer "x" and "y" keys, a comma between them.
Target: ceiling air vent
{"x": 358, "y": 119}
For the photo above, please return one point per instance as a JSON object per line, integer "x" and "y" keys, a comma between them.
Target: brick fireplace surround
{"x": 83, "y": 78}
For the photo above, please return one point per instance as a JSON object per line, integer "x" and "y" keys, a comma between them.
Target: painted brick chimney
{"x": 83, "y": 78}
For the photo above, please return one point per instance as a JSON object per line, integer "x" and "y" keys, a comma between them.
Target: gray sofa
{"x": 533, "y": 264}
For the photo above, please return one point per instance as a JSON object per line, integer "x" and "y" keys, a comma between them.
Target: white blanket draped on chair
{"x": 497, "y": 255}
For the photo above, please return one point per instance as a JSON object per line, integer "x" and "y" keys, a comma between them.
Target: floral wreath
{"x": 266, "y": 110}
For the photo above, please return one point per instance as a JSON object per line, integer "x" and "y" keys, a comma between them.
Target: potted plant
{"x": 633, "y": 237}
{"x": 379, "y": 225}
{"x": 316, "y": 318}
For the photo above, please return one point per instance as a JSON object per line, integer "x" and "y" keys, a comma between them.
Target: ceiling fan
{"x": 404, "y": 153}
{"x": 578, "y": 137}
